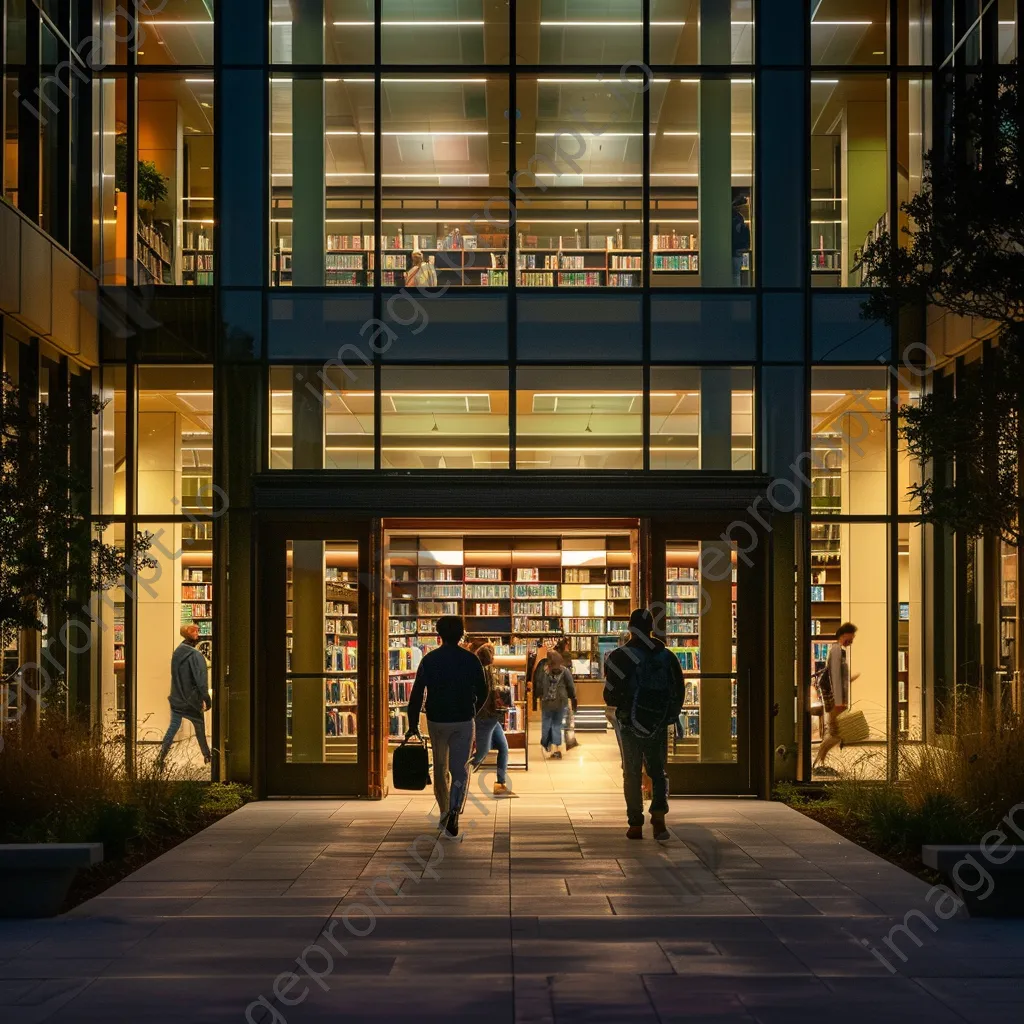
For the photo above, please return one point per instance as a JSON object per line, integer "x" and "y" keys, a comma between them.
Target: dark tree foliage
{"x": 963, "y": 252}
{"x": 48, "y": 551}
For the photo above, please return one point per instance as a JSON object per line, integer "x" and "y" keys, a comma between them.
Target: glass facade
{"x": 613, "y": 242}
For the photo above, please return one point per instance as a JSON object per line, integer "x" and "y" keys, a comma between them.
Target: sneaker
{"x": 635, "y": 832}
{"x": 451, "y": 826}
{"x": 557, "y": 755}
{"x": 661, "y": 833}
{"x": 500, "y": 789}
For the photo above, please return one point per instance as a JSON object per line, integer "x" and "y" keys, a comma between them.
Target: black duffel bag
{"x": 410, "y": 765}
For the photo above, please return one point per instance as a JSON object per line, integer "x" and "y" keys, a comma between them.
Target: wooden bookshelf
{"x": 197, "y": 603}
{"x": 518, "y": 593}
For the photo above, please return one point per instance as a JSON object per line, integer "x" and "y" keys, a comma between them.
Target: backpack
{"x": 652, "y": 703}
{"x": 551, "y": 685}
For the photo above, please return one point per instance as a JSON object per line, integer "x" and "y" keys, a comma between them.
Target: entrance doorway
{"x": 349, "y": 609}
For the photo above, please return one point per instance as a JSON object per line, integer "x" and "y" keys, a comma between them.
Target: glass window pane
{"x": 181, "y": 33}
{"x": 174, "y": 438}
{"x": 579, "y": 418}
{"x": 915, "y": 31}
{"x": 692, "y": 328}
{"x": 321, "y": 417}
{"x": 849, "y": 583}
{"x": 583, "y": 138}
{"x": 554, "y": 327}
{"x": 849, "y": 174}
{"x": 327, "y": 32}
{"x": 110, "y": 462}
{"x": 562, "y": 32}
{"x": 700, "y": 629}
{"x": 849, "y": 441}
{"x": 701, "y": 181}
{"x": 676, "y": 32}
{"x": 109, "y": 647}
{"x": 303, "y": 325}
{"x": 702, "y": 418}
{"x": 321, "y": 179}
{"x": 452, "y": 326}
{"x": 452, "y": 32}
{"x": 444, "y": 155}
{"x": 849, "y": 32}
{"x": 174, "y": 238}
{"x": 840, "y": 334}
{"x": 444, "y": 418}
{"x": 173, "y": 595}
{"x": 322, "y": 680}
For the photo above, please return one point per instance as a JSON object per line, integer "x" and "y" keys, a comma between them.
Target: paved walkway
{"x": 543, "y": 913}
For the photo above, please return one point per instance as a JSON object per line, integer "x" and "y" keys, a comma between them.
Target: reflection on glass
{"x": 174, "y": 437}
{"x": 576, "y": 32}
{"x": 849, "y": 32}
{"x": 849, "y": 175}
{"x": 109, "y": 460}
{"x": 700, "y": 630}
{"x": 913, "y": 141}
{"x": 322, "y": 680}
{"x": 579, "y": 418}
{"x": 453, "y": 418}
{"x": 109, "y": 647}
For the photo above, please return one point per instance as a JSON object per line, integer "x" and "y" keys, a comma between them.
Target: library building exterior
{"x": 533, "y": 312}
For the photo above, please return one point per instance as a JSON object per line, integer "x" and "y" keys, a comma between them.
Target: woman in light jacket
{"x": 553, "y": 684}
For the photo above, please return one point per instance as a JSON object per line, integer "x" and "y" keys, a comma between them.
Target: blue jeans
{"x": 172, "y": 730}
{"x": 551, "y": 727}
{"x": 489, "y": 733}
{"x": 636, "y": 754}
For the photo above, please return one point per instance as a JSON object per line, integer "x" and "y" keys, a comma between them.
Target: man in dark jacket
{"x": 190, "y": 694}
{"x": 645, "y": 653}
{"x": 456, "y": 690}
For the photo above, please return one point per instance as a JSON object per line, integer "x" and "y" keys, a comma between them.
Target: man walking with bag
{"x": 644, "y": 684}
{"x": 456, "y": 690}
{"x": 834, "y": 686}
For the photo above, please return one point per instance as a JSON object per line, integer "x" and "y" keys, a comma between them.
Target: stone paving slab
{"x": 543, "y": 913}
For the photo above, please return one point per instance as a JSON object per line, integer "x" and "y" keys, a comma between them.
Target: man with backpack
{"x": 644, "y": 684}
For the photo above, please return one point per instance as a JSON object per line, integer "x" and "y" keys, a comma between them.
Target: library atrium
{"x": 533, "y": 311}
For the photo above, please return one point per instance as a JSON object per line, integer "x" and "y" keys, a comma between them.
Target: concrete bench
{"x": 988, "y": 888}
{"x": 36, "y": 876}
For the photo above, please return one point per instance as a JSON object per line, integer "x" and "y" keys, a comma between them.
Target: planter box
{"x": 37, "y": 876}
{"x": 1002, "y": 896}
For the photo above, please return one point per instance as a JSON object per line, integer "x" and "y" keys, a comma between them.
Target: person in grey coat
{"x": 190, "y": 694}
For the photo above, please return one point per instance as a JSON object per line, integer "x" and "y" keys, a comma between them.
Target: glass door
{"x": 316, "y": 707}
{"x": 705, "y": 610}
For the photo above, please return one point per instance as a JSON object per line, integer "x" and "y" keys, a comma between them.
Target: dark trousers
{"x": 198, "y": 723}
{"x": 637, "y": 754}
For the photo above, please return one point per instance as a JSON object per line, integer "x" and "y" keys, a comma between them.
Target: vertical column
{"x": 308, "y": 199}
{"x": 308, "y": 587}
{"x": 715, "y": 181}
{"x": 716, "y": 575}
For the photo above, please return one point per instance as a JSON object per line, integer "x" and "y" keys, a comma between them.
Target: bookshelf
{"x": 340, "y": 655}
{"x": 197, "y": 259}
{"x": 683, "y": 637}
{"x": 197, "y": 602}
{"x": 153, "y": 252}
{"x": 516, "y": 593}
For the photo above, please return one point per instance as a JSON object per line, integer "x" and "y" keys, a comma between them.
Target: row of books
{"x": 488, "y": 590}
{"x": 535, "y": 590}
{"x": 198, "y": 240}
{"x": 483, "y": 610}
{"x": 192, "y": 611}
{"x": 494, "y": 279}
{"x": 673, "y": 241}
{"x": 404, "y": 659}
{"x": 191, "y": 592}
{"x": 338, "y": 608}
{"x": 436, "y": 608}
{"x": 677, "y": 263}
{"x": 627, "y": 263}
{"x": 442, "y": 590}
{"x": 683, "y": 608}
{"x": 538, "y": 608}
{"x": 681, "y": 627}
{"x": 677, "y": 572}
{"x": 196, "y": 262}
{"x": 341, "y": 657}
{"x": 690, "y": 590}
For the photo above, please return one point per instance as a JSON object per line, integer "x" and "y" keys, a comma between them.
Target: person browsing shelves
{"x": 422, "y": 273}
